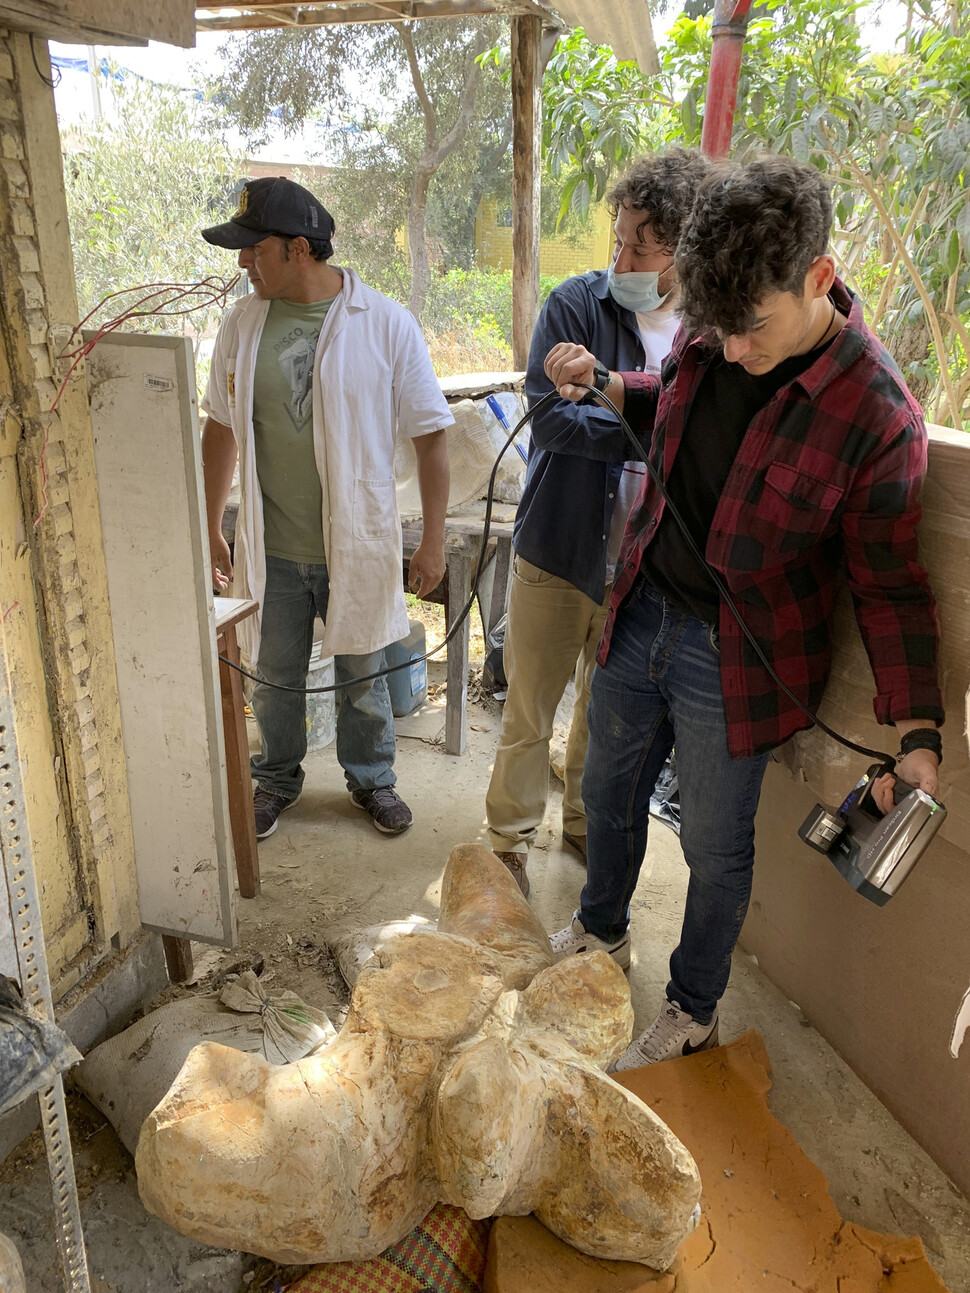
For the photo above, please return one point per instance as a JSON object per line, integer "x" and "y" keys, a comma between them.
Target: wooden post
{"x": 526, "y": 142}
{"x": 459, "y": 590}
{"x": 239, "y": 783}
{"x": 178, "y": 958}
{"x": 729, "y": 28}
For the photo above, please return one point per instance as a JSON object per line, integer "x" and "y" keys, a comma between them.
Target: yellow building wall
{"x": 55, "y": 625}
{"x": 560, "y": 256}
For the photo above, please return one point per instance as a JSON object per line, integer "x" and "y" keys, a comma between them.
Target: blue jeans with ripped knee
{"x": 661, "y": 686}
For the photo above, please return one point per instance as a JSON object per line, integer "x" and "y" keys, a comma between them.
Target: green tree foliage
{"x": 438, "y": 144}
{"x": 598, "y": 114}
{"x": 141, "y": 183}
{"x": 892, "y": 134}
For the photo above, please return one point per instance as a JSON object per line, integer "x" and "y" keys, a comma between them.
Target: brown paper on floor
{"x": 768, "y": 1221}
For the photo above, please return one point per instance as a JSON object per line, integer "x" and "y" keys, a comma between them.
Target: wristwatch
{"x": 602, "y": 377}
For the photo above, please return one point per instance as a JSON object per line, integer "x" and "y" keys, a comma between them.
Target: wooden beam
{"x": 103, "y": 22}
{"x": 526, "y": 142}
{"x": 262, "y": 14}
{"x": 178, "y": 958}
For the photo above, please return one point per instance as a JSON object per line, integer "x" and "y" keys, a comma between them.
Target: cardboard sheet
{"x": 768, "y": 1221}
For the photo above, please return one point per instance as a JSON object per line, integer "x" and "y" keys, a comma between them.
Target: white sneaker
{"x": 674, "y": 1032}
{"x": 574, "y": 939}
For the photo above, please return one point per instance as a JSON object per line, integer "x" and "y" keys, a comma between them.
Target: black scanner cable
{"x": 887, "y": 760}
{"x": 466, "y": 609}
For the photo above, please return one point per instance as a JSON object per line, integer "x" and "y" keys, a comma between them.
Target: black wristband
{"x": 921, "y": 738}
{"x": 601, "y": 375}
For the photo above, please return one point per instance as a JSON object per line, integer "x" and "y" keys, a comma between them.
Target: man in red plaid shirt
{"x": 791, "y": 447}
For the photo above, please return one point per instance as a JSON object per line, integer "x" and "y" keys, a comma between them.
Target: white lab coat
{"x": 372, "y": 376}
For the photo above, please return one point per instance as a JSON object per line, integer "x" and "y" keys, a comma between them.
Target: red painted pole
{"x": 729, "y": 29}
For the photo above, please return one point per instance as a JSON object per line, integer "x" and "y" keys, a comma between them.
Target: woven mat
{"x": 444, "y": 1254}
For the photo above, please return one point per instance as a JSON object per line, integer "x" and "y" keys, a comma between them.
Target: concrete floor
{"x": 326, "y": 871}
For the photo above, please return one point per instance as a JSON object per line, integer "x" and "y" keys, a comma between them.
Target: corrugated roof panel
{"x": 624, "y": 25}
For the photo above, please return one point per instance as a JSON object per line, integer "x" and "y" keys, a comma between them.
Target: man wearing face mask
{"x": 793, "y": 454}
{"x": 579, "y": 489}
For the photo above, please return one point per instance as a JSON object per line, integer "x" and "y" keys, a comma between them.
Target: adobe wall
{"x": 884, "y": 985}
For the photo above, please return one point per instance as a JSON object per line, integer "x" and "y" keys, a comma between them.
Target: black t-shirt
{"x": 727, "y": 400}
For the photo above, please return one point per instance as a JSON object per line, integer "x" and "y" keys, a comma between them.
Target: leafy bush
{"x": 464, "y": 300}
{"x": 141, "y": 184}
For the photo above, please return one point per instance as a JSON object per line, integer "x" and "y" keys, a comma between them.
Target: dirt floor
{"x": 327, "y": 872}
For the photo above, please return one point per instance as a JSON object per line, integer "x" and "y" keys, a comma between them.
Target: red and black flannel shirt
{"x": 829, "y": 470}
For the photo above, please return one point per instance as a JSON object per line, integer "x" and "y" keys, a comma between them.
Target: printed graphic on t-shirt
{"x": 294, "y": 353}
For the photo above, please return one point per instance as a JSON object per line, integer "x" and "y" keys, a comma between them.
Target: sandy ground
{"x": 327, "y": 872}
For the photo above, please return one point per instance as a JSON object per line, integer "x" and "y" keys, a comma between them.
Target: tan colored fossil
{"x": 469, "y": 1070}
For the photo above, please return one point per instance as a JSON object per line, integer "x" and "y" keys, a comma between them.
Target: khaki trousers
{"x": 552, "y": 633}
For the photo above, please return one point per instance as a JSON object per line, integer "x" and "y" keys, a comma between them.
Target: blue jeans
{"x": 295, "y": 593}
{"x": 660, "y": 686}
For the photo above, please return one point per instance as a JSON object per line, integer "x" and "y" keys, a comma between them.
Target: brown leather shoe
{"x": 577, "y": 842}
{"x": 515, "y": 863}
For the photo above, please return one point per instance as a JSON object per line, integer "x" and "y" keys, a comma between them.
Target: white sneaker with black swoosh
{"x": 575, "y": 939}
{"x": 673, "y": 1033}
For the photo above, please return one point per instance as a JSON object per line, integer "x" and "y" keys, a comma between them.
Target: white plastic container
{"x": 408, "y": 687}
{"x": 321, "y": 709}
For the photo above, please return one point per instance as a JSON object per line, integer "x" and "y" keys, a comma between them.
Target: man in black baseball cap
{"x": 273, "y": 205}
{"x": 313, "y": 377}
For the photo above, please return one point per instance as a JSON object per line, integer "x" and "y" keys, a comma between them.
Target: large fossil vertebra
{"x": 470, "y": 1070}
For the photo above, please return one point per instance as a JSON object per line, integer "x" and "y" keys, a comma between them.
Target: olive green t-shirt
{"x": 283, "y": 431}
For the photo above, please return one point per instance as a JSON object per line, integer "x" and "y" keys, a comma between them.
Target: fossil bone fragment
{"x": 469, "y": 1070}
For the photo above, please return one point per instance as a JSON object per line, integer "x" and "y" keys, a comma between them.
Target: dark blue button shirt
{"x": 578, "y": 450}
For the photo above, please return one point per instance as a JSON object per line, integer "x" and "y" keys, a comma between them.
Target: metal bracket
{"x": 21, "y": 892}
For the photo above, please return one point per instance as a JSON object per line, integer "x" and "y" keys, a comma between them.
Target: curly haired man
{"x": 579, "y": 488}
{"x": 791, "y": 447}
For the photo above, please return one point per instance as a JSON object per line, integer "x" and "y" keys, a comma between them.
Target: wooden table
{"x": 229, "y": 611}
{"x": 463, "y": 546}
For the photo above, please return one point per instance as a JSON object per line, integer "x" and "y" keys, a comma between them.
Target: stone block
{"x": 11, "y": 143}
{"x": 80, "y": 660}
{"x": 101, "y": 835}
{"x": 84, "y": 711}
{"x": 42, "y": 363}
{"x": 27, "y": 255}
{"x": 66, "y": 547}
{"x": 54, "y": 457}
{"x": 77, "y": 632}
{"x": 9, "y": 107}
{"x": 62, "y": 519}
{"x": 16, "y": 178}
{"x": 33, "y": 291}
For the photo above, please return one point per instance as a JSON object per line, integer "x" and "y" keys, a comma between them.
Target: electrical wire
{"x": 54, "y": 82}
{"x": 212, "y": 291}
{"x": 466, "y": 609}
{"x": 885, "y": 759}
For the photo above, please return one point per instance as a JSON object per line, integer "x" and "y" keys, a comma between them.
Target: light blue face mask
{"x": 636, "y": 291}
